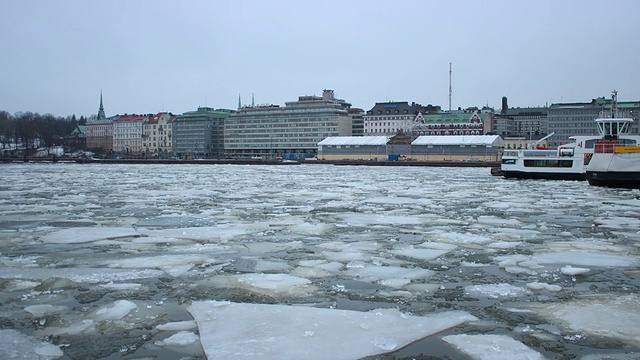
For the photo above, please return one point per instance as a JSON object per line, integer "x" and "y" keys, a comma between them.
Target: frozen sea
{"x": 313, "y": 262}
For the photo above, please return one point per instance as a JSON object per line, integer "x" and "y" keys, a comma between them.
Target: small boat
{"x": 566, "y": 162}
{"x": 616, "y": 159}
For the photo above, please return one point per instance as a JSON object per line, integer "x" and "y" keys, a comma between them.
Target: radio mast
{"x": 449, "y": 87}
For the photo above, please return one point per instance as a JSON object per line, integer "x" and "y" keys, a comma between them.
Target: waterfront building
{"x": 423, "y": 148}
{"x": 156, "y": 135}
{"x": 387, "y": 118}
{"x": 468, "y": 122}
{"x": 292, "y": 131}
{"x": 99, "y": 131}
{"x": 568, "y": 119}
{"x": 357, "y": 121}
{"x": 200, "y": 134}
{"x": 529, "y": 122}
{"x": 127, "y": 134}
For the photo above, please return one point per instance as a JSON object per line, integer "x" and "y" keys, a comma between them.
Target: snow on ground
{"x": 492, "y": 347}
{"x": 249, "y": 331}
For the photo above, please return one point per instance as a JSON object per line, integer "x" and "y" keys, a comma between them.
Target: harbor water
{"x": 111, "y": 261}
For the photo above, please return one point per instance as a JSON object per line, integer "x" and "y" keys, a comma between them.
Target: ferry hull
{"x": 616, "y": 179}
{"x": 510, "y": 174}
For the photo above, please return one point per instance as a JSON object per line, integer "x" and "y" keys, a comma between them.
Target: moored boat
{"x": 566, "y": 162}
{"x": 616, "y": 158}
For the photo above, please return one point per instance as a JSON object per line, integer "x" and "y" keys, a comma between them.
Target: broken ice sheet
{"x": 249, "y": 331}
{"x": 492, "y": 347}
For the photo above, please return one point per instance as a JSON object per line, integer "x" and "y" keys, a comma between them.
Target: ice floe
{"x": 495, "y": 291}
{"x": 616, "y": 317}
{"x": 492, "y": 347}
{"x": 182, "y": 338}
{"x": 249, "y": 331}
{"x": 15, "y": 345}
{"x": 88, "y": 234}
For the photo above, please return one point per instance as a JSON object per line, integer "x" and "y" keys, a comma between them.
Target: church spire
{"x": 252, "y": 103}
{"x": 239, "y": 102}
{"x": 101, "y": 115}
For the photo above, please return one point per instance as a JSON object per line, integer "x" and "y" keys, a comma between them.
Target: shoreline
{"x": 488, "y": 164}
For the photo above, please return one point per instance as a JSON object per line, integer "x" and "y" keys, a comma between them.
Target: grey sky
{"x": 149, "y": 56}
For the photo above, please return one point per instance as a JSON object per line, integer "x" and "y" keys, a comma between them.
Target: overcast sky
{"x": 151, "y": 56}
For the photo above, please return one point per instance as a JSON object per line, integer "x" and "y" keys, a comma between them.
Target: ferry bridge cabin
{"x": 423, "y": 148}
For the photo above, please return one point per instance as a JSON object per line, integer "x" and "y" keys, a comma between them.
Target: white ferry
{"x": 566, "y": 162}
{"x": 616, "y": 159}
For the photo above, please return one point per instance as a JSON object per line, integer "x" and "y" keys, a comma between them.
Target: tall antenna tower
{"x": 449, "y": 86}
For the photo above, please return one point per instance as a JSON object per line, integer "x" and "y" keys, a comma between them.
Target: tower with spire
{"x": 101, "y": 115}
{"x": 239, "y": 102}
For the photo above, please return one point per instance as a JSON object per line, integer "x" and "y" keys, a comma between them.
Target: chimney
{"x": 504, "y": 106}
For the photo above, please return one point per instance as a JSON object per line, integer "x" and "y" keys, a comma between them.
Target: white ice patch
{"x": 461, "y": 239}
{"x": 537, "y": 286}
{"x": 88, "y": 234}
{"x": 79, "y": 275}
{"x": 265, "y": 265}
{"x": 178, "y": 326}
{"x": 420, "y": 254}
{"x": 572, "y": 271}
{"x": 494, "y": 220}
{"x": 121, "y": 286}
{"x": 267, "y": 284}
{"x": 119, "y": 310}
{"x": 15, "y": 345}
{"x": 310, "y": 229}
{"x": 492, "y": 347}
{"x": 617, "y": 317}
{"x": 387, "y": 274}
{"x": 182, "y": 338}
{"x": 495, "y": 291}
{"x": 223, "y": 232}
{"x": 44, "y": 309}
{"x": 359, "y": 219}
{"x": 174, "y": 265}
{"x": 250, "y": 331}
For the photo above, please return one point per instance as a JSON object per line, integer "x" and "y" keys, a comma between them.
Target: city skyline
{"x": 157, "y": 56}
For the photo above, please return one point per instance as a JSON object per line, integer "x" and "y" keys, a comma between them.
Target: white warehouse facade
{"x": 423, "y": 148}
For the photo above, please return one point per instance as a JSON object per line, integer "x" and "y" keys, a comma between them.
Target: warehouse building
{"x": 423, "y": 148}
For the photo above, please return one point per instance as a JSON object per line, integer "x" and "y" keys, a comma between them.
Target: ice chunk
{"x": 495, "y": 291}
{"x": 420, "y": 254}
{"x": 373, "y": 273}
{"x": 88, "y": 234}
{"x": 493, "y": 220}
{"x": 492, "y": 347}
{"x": 616, "y": 317}
{"x": 119, "y": 310}
{"x": 121, "y": 286}
{"x": 178, "y": 326}
{"x": 543, "y": 286}
{"x": 44, "y": 309}
{"x": 310, "y": 229}
{"x": 182, "y": 338}
{"x": 79, "y": 274}
{"x": 570, "y": 270}
{"x": 267, "y": 284}
{"x": 249, "y": 331}
{"x": 15, "y": 345}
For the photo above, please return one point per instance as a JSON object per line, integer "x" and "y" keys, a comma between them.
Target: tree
{"x": 5, "y": 128}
